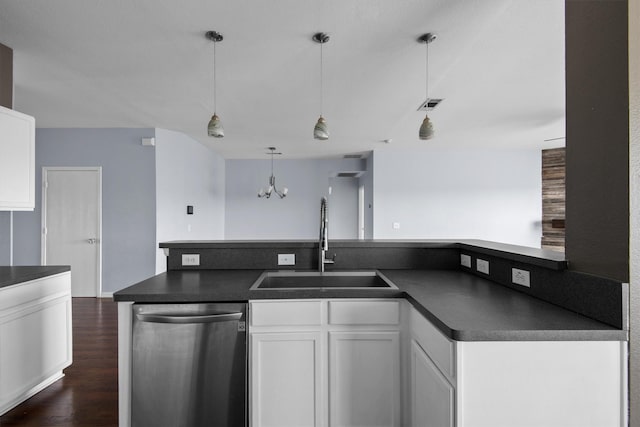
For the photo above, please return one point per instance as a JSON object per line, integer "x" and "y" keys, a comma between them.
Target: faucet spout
{"x": 323, "y": 243}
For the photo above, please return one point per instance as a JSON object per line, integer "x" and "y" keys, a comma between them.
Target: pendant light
{"x": 426, "y": 129}
{"x": 321, "y": 131}
{"x": 214, "y": 128}
{"x": 272, "y": 181}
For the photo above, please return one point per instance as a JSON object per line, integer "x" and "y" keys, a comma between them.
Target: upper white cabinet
{"x": 17, "y": 161}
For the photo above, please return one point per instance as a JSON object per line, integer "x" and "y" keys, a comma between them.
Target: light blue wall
{"x": 459, "y": 194}
{"x": 439, "y": 193}
{"x": 294, "y": 217}
{"x": 187, "y": 173}
{"x": 128, "y": 199}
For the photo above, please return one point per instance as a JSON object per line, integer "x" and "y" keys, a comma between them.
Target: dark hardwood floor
{"x": 88, "y": 394}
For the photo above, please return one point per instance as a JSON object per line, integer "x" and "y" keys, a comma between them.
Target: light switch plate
{"x": 521, "y": 277}
{"x": 482, "y": 266}
{"x": 286, "y": 259}
{"x": 190, "y": 259}
{"x": 465, "y": 260}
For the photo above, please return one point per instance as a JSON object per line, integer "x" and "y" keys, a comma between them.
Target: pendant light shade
{"x": 321, "y": 130}
{"x": 426, "y": 129}
{"x": 214, "y": 128}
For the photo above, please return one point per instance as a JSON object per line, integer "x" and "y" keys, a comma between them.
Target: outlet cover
{"x": 190, "y": 259}
{"x": 521, "y": 277}
{"x": 465, "y": 260}
{"x": 286, "y": 259}
{"x": 482, "y": 266}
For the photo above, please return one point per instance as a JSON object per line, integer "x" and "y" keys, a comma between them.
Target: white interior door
{"x": 71, "y": 219}
{"x": 343, "y": 208}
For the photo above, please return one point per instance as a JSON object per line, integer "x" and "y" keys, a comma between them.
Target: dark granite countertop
{"x": 18, "y": 274}
{"x": 463, "y": 306}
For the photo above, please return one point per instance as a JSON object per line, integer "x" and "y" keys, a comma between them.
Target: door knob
{"x": 92, "y": 241}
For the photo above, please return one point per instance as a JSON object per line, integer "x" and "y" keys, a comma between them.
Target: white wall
{"x": 459, "y": 194}
{"x": 294, "y": 217}
{"x": 187, "y": 173}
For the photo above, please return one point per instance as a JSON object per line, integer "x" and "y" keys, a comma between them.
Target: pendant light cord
{"x": 426, "y": 74}
{"x": 321, "y": 80}
{"x": 272, "y": 163}
{"x": 215, "y": 109}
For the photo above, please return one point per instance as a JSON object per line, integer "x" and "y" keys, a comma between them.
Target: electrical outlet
{"x": 190, "y": 259}
{"x": 396, "y": 226}
{"x": 482, "y": 266}
{"x": 521, "y": 277}
{"x": 465, "y": 260}
{"x": 286, "y": 259}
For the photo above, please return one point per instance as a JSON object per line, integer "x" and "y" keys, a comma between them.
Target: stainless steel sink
{"x": 278, "y": 280}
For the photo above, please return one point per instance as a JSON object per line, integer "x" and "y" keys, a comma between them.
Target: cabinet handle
{"x": 188, "y": 318}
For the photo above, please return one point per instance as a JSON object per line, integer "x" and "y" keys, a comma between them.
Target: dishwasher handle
{"x": 188, "y": 318}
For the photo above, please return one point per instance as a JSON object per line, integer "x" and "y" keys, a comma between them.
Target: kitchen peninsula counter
{"x": 18, "y": 274}
{"x": 454, "y": 322}
{"x": 464, "y": 307}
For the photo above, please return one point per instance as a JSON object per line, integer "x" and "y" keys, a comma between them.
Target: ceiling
{"x": 498, "y": 64}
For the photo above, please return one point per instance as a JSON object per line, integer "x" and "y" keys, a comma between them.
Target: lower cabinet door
{"x": 364, "y": 379}
{"x": 285, "y": 379}
{"x": 34, "y": 344}
{"x": 432, "y": 397}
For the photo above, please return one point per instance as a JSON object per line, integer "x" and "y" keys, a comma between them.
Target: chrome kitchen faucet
{"x": 323, "y": 244}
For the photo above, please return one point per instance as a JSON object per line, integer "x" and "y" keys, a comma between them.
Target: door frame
{"x": 43, "y": 233}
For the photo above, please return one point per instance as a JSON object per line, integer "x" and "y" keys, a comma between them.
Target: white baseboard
{"x": 106, "y": 295}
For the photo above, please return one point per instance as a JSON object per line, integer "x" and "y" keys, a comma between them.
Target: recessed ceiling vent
{"x": 348, "y": 174}
{"x": 352, "y": 156}
{"x": 430, "y": 104}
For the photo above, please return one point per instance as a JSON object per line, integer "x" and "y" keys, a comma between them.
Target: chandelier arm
{"x": 272, "y": 181}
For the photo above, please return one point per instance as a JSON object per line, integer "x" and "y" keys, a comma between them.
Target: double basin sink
{"x": 290, "y": 280}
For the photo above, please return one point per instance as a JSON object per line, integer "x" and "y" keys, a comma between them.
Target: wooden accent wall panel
{"x": 553, "y": 198}
{"x": 6, "y": 76}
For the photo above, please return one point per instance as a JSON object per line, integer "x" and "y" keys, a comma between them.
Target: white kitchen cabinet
{"x": 285, "y": 379}
{"x": 364, "y": 379}
{"x": 515, "y": 383}
{"x": 432, "y": 396}
{"x": 17, "y": 161}
{"x": 325, "y": 363}
{"x": 541, "y": 383}
{"x": 35, "y": 336}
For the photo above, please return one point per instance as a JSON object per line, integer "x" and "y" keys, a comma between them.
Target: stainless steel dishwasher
{"x": 189, "y": 365}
